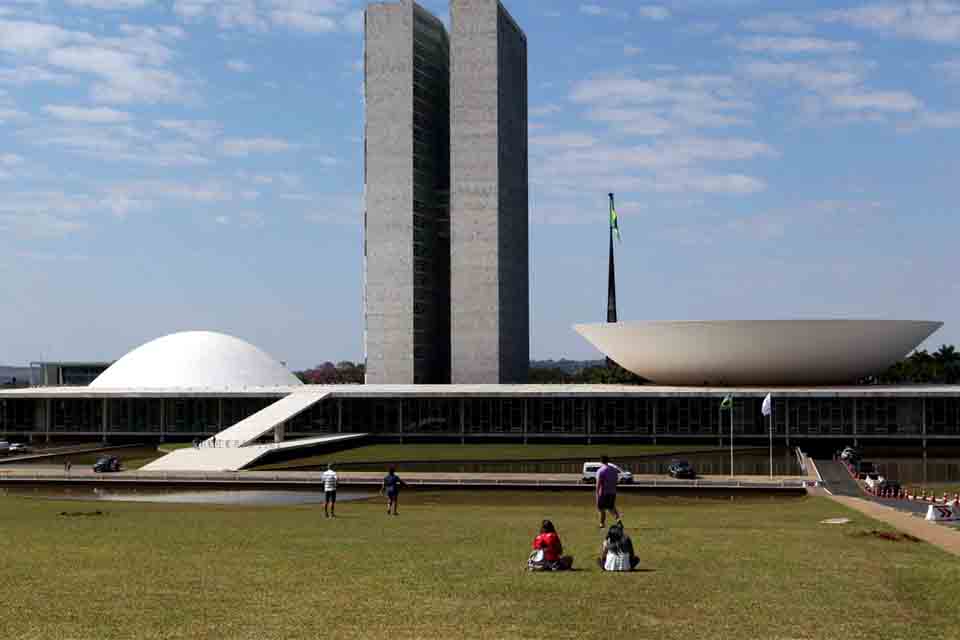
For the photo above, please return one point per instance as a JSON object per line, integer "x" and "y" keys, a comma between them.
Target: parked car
{"x": 865, "y": 468}
{"x": 107, "y": 464}
{"x": 850, "y": 454}
{"x": 681, "y": 469}
{"x": 590, "y": 473}
{"x": 18, "y": 447}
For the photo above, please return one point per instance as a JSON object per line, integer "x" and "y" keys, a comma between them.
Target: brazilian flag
{"x": 614, "y": 222}
{"x": 727, "y": 403}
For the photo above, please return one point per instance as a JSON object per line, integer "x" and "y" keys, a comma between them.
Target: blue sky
{"x": 197, "y": 164}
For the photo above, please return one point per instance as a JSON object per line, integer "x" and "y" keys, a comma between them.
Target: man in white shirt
{"x": 329, "y": 492}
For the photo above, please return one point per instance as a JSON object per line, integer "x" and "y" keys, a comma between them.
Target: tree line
{"x": 920, "y": 367}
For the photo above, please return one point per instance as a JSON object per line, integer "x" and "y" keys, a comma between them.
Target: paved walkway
{"x": 947, "y": 538}
{"x": 903, "y": 516}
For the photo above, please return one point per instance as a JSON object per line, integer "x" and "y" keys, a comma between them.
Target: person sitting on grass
{"x": 617, "y": 554}
{"x": 548, "y": 551}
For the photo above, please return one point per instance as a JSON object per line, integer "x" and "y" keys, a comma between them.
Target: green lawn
{"x": 387, "y": 453}
{"x": 452, "y": 566}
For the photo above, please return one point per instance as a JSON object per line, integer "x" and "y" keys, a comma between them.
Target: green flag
{"x": 727, "y": 403}
{"x": 614, "y": 223}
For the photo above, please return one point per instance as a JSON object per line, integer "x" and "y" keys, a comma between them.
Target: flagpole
{"x": 731, "y": 436}
{"x": 612, "y": 275}
{"x": 771, "y": 439}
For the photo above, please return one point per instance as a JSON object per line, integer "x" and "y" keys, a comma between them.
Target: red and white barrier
{"x": 943, "y": 513}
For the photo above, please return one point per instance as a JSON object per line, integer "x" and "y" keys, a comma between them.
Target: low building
{"x": 197, "y": 384}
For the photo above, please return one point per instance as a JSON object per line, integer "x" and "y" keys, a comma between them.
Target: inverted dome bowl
{"x": 757, "y": 352}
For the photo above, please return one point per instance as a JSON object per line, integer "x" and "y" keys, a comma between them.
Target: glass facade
{"x": 431, "y": 199}
{"x": 574, "y": 416}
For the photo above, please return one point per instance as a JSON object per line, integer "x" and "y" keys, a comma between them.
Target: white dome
{"x": 195, "y": 359}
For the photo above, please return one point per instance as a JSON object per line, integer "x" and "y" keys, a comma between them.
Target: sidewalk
{"x": 947, "y": 538}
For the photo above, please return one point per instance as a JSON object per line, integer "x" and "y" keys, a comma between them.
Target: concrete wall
{"x": 488, "y": 204}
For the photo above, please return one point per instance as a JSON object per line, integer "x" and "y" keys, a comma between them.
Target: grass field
{"x": 387, "y": 453}
{"x": 452, "y": 566}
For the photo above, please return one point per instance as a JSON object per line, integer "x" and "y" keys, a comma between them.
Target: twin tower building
{"x": 446, "y": 221}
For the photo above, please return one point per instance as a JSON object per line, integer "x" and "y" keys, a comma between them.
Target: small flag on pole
{"x": 727, "y": 403}
{"x": 767, "y": 407}
{"x": 614, "y": 221}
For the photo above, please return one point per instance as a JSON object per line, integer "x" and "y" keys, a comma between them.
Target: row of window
{"x": 798, "y": 416}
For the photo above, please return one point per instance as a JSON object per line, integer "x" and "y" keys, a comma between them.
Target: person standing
{"x": 329, "y": 492}
{"x": 391, "y": 487}
{"x": 607, "y": 477}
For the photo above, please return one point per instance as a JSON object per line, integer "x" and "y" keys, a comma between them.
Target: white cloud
{"x": 934, "y": 120}
{"x": 630, "y": 50}
{"x": 598, "y": 10}
{"x": 809, "y": 76}
{"x": 931, "y": 20}
{"x": 304, "y": 21}
{"x": 545, "y": 110}
{"x": 123, "y": 77}
{"x": 239, "y": 66}
{"x": 949, "y": 68}
{"x": 353, "y": 21}
{"x": 196, "y": 130}
{"x": 44, "y": 214}
{"x": 8, "y": 115}
{"x": 778, "y": 23}
{"x": 643, "y": 122}
{"x": 242, "y": 147}
{"x": 129, "y": 67}
{"x": 100, "y": 115}
{"x": 115, "y": 5}
{"x": 563, "y": 140}
{"x": 654, "y": 12}
{"x": 652, "y": 106}
{"x": 896, "y": 101}
{"x": 788, "y": 45}
{"x": 309, "y": 16}
{"x": 670, "y": 166}
{"x": 10, "y": 160}
{"x": 124, "y": 143}
{"x": 30, "y": 74}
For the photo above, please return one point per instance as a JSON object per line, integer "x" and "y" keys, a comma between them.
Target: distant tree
{"x": 328, "y": 373}
{"x": 549, "y": 375}
{"x": 595, "y": 374}
{"x": 922, "y": 367}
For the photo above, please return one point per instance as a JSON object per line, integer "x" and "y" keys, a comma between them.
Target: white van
{"x": 590, "y": 473}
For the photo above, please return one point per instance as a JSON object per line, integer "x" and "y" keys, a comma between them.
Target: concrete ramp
{"x": 236, "y": 458}
{"x": 265, "y": 420}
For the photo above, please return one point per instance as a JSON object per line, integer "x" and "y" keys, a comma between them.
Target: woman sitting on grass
{"x": 548, "y": 551}
{"x": 616, "y": 554}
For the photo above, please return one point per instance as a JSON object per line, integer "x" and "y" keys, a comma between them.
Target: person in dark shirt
{"x": 391, "y": 487}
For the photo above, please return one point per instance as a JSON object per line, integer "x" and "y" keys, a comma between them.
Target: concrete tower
{"x": 407, "y": 182}
{"x": 490, "y": 326}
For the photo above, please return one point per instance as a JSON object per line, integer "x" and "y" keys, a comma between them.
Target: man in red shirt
{"x": 607, "y": 478}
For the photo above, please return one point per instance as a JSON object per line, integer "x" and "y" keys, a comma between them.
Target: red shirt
{"x": 550, "y": 543}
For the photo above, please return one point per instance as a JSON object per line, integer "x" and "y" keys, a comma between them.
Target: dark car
{"x": 107, "y": 464}
{"x": 681, "y": 469}
{"x": 865, "y": 468}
